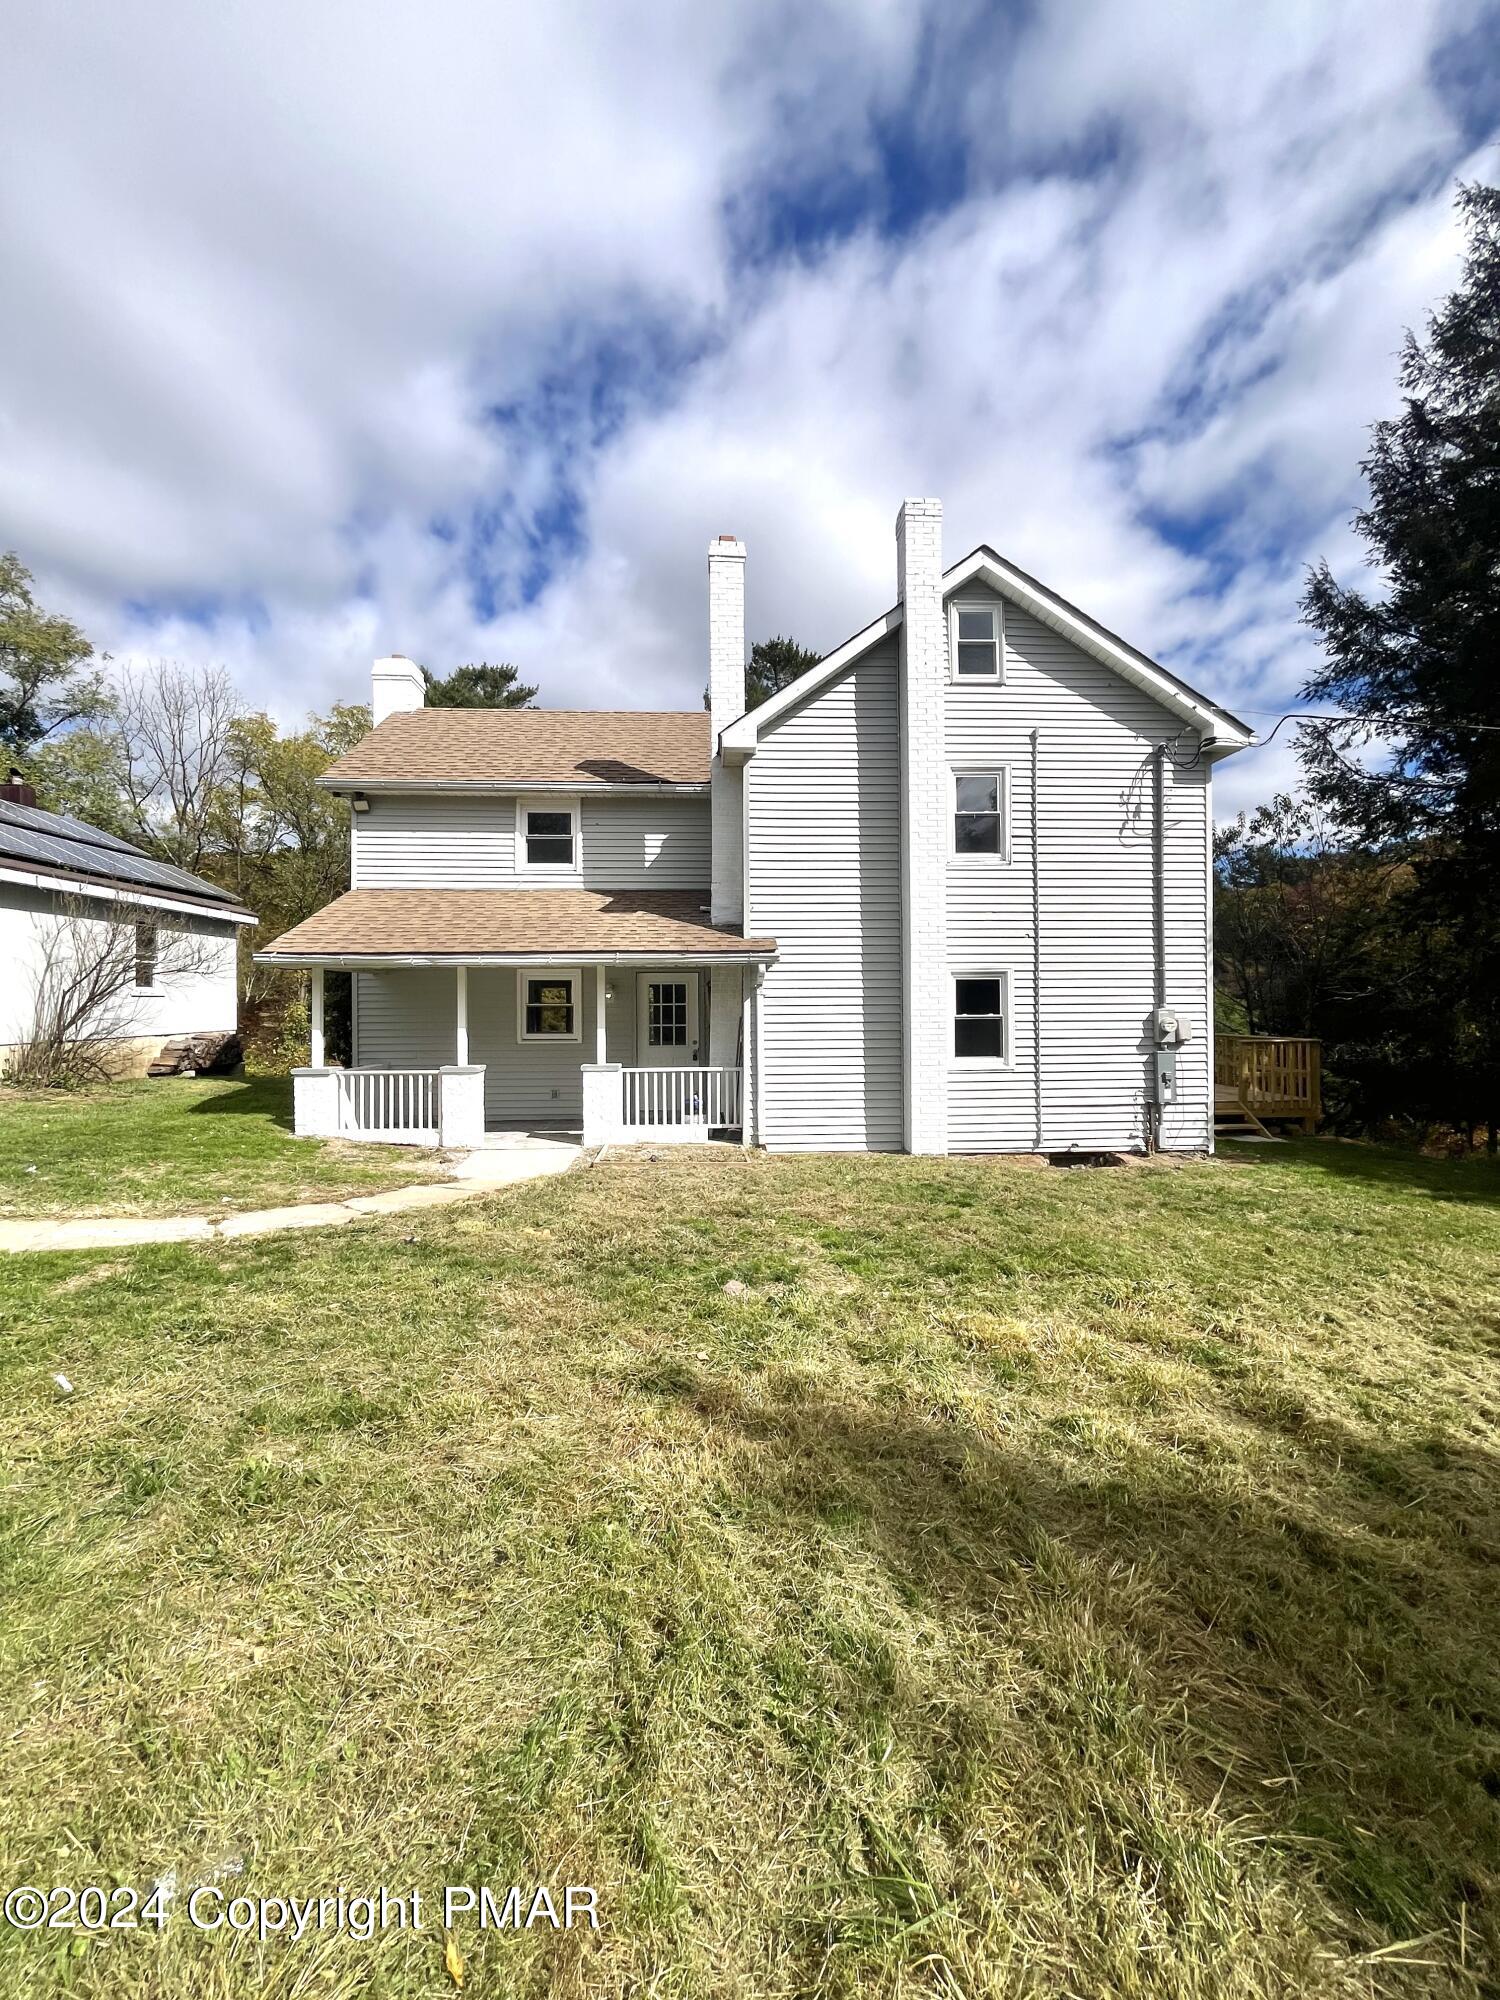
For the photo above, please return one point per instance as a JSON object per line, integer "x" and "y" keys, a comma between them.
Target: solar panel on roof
{"x": 63, "y": 825}
{"x": 55, "y": 841}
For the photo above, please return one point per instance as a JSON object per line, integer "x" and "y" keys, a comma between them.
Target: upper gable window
{"x": 977, "y": 641}
{"x": 549, "y": 835}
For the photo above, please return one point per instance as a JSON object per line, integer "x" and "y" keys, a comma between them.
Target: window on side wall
{"x": 145, "y": 956}
{"x": 979, "y": 813}
{"x": 976, "y": 640}
{"x": 549, "y": 836}
{"x": 981, "y": 1017}
{"x": 547, "y": 1006}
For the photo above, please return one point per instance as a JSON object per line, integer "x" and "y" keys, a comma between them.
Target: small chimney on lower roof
{"x": 16, "y": 790}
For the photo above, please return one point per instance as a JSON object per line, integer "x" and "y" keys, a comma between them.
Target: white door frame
{"x": 691, "y": 1052}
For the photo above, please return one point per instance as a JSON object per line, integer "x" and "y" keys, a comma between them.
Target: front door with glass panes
{"x": 666, "y": 1014}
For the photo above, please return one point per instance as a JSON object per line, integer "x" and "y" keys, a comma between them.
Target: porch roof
{"x": 512, "y": 926}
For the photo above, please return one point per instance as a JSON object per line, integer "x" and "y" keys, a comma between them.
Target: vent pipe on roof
{"x": 17, "y": 791}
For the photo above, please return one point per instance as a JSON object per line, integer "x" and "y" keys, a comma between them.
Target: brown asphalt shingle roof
{"x": 531, "y": 746}
{"x": 562, "y": 923}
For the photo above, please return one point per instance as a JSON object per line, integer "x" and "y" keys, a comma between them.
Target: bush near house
{"x": 874, "y": 1576}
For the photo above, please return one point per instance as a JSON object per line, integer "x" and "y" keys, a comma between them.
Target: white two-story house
{"x": 947, "y": 892}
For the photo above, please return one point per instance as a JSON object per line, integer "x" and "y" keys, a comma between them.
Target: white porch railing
{"x": 679, "y": 1103}
{"x": 392, "y": 1104}
{"x": 396, "y": 1107}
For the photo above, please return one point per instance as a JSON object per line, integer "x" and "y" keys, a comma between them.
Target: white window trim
{"x": 996, "y": 608}
{"x": 991, "y": 770}
{"x": 527, "y": 972}
{"x": 532, "y": 802}
{"x": 1007, "y": 1015}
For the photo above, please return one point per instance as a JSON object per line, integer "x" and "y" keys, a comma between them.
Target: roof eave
{"x": 756, "y": 953}
{"x": 687, "y": 787}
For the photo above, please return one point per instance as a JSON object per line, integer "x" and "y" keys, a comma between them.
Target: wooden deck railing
{"x": 1270, "y": 1076}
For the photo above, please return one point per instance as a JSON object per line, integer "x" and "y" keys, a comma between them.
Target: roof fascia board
{"x": 1225, "y": 730}
{"x": 507, "y": 787}
{"x": 738, "y": 741}
{"x": 61, "y": 884}
{"x": 564, "y": 955}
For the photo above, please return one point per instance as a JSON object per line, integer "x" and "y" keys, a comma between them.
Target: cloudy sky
{"x": 456, "y": 330}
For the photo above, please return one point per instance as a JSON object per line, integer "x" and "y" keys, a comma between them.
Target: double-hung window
{"x": 549, "y": 835}
{"x": 979, "y": 811}
{"x": 981, "y": 1017}
{"x": 976, "y": 641}
{"x": 145, "y": 956}
{"x": 548, "y": 1005}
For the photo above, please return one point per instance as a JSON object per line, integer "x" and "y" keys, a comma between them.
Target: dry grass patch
{"x": 1030, "y": 1583}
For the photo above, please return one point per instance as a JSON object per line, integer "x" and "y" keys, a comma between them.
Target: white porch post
{"x": 461, "y": 1020}
{"x": 316, "y": 1050}
{"x": 601, "y": 997}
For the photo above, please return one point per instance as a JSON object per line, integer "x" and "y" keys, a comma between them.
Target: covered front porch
{"x": 625, "y": 1014}
{"x": 618, "y": 1053}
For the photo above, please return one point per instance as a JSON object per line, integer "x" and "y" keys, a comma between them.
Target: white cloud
{"x": 278, "y": 263}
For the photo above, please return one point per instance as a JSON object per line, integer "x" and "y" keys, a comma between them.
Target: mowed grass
{"x": 1031, "y": 1582}
{"x": 179, "y": 1146}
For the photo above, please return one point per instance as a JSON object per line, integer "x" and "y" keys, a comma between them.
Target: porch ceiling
{"x": 460, "y": 926}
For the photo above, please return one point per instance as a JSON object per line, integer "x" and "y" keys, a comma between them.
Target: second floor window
{"x": 550, "y": 836}
{"x": 979, "y": 814}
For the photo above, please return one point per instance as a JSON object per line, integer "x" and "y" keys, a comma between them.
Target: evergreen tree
{"x": 1416, "y": 665}
{"x": 479, "y": 685}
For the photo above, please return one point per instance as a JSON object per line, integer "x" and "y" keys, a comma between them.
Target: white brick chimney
{"x": 926, "y": 1026}
{"x": 726, "y": 703}
{"x": 396, "y": 687}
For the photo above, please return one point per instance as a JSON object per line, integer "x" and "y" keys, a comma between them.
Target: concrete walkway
{"x": 474, "y": 1174}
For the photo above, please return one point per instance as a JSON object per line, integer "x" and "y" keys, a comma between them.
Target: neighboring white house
{"x": 72, "y": 895}
{"x": 948, "y": 892}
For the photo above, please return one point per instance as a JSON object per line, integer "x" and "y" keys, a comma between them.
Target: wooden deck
{"x": 1263, "y": 1080}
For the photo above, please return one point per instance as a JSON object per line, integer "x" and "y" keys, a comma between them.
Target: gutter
{"x": 588, "y": 788}
{"x": 302, "y": 961}
{"x": 111, "y": 892}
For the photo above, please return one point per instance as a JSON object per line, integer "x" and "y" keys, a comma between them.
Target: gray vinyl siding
{"x": 648, "y": 843}
{"x": 405, "y": 1019}
{"x": 413, "y": 841}
{"x": 823, "y": 845}
{"x": 1095, "y": 738}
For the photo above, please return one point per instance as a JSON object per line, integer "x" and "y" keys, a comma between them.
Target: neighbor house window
{"x": 976, "y": 637}
{"x": 979, "y": 815}
{"x": 145, "y": 955}
{"x": 549, "y": 835}
{"x": 980, "y": 1009}
{"x": 547, "y": 1006}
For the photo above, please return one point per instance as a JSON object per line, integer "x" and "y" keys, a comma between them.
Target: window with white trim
{"x": 549, "y": 1005}
{"x": 981, "y": 1017}
{"x": 549, "y": 834}
{"x": 979, "y": 811}
{"x": 976, "y": 639}
{"x": 145, "y": 957}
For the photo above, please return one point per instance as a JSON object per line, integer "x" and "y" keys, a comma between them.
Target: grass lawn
{"x": 1032, "y": 1582}
{"x": 179, "y": 1146}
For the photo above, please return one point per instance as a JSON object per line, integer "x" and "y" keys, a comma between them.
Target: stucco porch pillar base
{"x": 603, "y": 1103}
{"x": 461, "y": 1105}
{"x": 315, "y": 1103}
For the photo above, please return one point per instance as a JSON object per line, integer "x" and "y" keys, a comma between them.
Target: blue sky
{"x": 456, "y": 332}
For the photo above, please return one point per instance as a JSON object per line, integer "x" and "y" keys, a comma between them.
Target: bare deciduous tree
{"x": 98, "y": 962}
{"x": 176, "y": 730}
